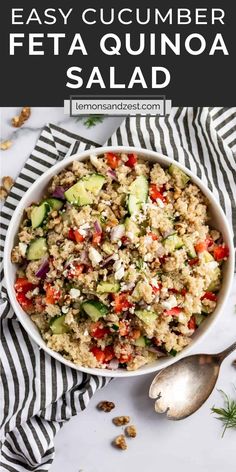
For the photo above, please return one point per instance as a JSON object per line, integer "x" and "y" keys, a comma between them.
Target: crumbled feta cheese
{"x": 74, "y": 292}
{"x": 83, "y": 229}
{"x": 181, "y": 317}
{"x": 35, "y": 291}
{"x": 94, "y": 160}
{"x": 106, "y": 202}
{"x": 65, "y": 309}
{"x": 212, "y": 265}
{"x": 160, "y": 203}
{"x": 170, "y": 302}
{"x": 119, "y": 274}
{"x": 117, "y": 265}
{"x": 23, "y": 248}
{"x": 94, "y": 256}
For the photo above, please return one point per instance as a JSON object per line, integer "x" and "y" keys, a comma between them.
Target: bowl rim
{"x": 14, "y": 223}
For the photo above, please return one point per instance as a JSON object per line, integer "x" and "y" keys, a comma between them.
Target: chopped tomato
{"x": 173, "y": 311}
{"x": 96, "y": 238}
{"x": 155, "y": 193}
{"x": 125, "y": 358}
{"x": 71, "y": 234}
{"x": 98, "y": 331}
{"x": 192, "y": 323}
{"x": 135, "y": 334}
{"x": 193, "y": 261}
{"x": 153, "y": 236}
{"x": 156, "y": 289}
{"x": 52, "y": 294}
{"x": 78, "y": 237}
{"x": 132, "y": 160}
{"x": 112, "y": 160}
{"x": 221, "y": 252}
{"x": 181, "y": 292}
{"x": 23, "y": 285}
{"x": 209, "y": 241}
{"x": 75, "y": 271}
{"x": 24, "y": 302}
{"x": 163, "y": 259}
{"x": 209, "y": 296}
{"x": 202, "y": 246}
{"x": 109, "y": 353}
{"x": 98, "y": 353}
{"x": 123, "y": 328}
{"x": 124, "y": 240}
{"x": 121, "y": 302}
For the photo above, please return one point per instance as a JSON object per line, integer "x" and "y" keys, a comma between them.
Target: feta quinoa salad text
{"x": 117, "y": 264}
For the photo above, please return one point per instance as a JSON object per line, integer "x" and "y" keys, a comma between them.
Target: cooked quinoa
{"x": 117, "y": 264}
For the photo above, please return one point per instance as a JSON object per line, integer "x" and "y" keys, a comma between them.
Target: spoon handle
{"x": 222, "y": 355}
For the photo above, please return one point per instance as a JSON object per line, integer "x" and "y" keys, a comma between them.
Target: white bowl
{"x": 36, "y": 191}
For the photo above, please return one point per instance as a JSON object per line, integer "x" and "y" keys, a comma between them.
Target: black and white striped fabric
{"x": 39, "y": 393}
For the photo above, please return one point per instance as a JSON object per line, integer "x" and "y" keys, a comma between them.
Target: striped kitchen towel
{"x": 38, "y": 393}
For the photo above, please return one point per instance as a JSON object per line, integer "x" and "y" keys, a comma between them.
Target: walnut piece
{"x": 3, "y": 193}
{"x": 7, "y": 183}
{"x": 4, "y": 145}
{"x": 19, "y": 120}
{"x": 120, "y": 442}
{"x": 131, "y": 431}
{"x": 121, "y": 420}
{"x": 106, "y": 406}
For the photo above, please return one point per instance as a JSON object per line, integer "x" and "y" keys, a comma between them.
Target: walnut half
{"x": 120, "y": 442}
{"x": 131, "y": 431}
{"x": 121, "y": 420}
{"x": 106, "y": 406}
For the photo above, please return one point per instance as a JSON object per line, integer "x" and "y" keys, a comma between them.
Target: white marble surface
{"x": 84, "y": 442}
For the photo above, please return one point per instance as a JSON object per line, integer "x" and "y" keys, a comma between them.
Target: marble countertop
{"x": 83, "y": 444}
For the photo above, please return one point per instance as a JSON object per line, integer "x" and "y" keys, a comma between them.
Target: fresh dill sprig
{"x": 227, "y": 414}
{"x": 90, "y": 120}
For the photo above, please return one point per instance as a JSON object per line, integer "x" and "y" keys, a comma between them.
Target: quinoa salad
{"x": 117, "y": 264}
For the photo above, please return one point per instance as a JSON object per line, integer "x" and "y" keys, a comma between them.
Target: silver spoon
{"x": 183, "y": 387}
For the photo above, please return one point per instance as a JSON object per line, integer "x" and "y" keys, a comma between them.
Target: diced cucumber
{"x": 199, "y": 318}
{"x": 133, "y": 204}
{"x": 108, "y": 248}
{"x": 146, "y": 316}
{"x": 138, "y": 194}
{"x": 78, "y": 195}
{"x": 94, "y": 183}
{"x": 206, "y": 309}
{"x": 58, "y": 325}
{"x": 191, "y": 252}
{"x": 215, "y": 283}
{"x": 140, "y": 342}
{"x": 131, "y": 227}
{"x": 55, "y": 203}
{"x": 108, "y": 287}
{"x": 172, "y": 242}
{"x": 38, "y": 214}
{"x": 205, "y": 256}
{"x": 179, "y": 176}
{"x": 37, "y": 249}
{"x": 95, "y": 309}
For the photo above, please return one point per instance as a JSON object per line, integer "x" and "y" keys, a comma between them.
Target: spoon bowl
{"x": 183, "y": 387}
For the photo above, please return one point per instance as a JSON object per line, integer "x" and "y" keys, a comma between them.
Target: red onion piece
{"x": 156, "y": 351}
{"x": 113, "y": 364}
{"x": 112, "y": 174}
{"x": 107, "y": 260}
{"x": 97, "y": 226}
{"x": 117, "y": 233}
{"x": 59, "y": 192}
{"x": 84, "y": 257}
{"x": 43, "y": 269}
